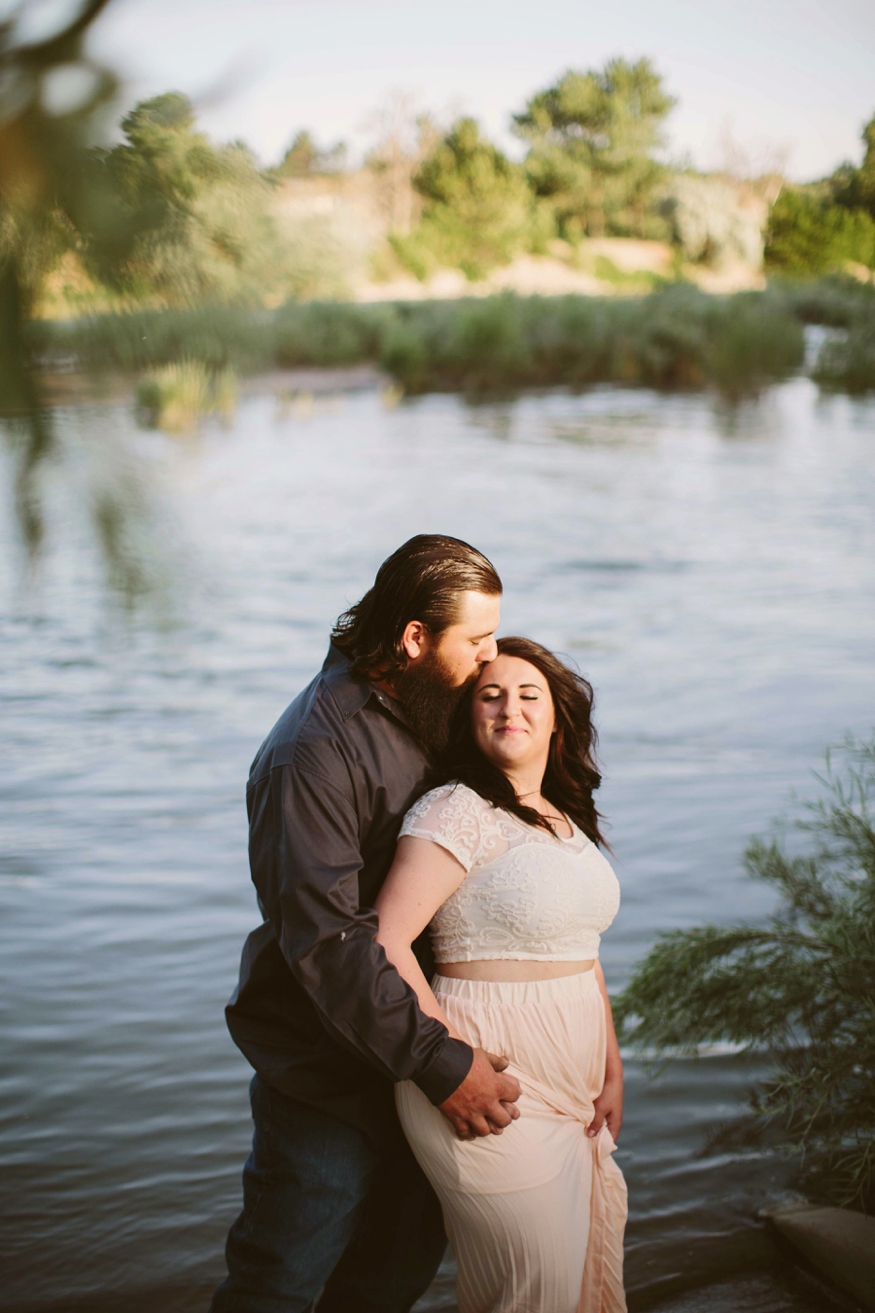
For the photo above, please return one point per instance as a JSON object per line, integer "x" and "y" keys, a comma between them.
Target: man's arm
{"x": 306, "y": 858}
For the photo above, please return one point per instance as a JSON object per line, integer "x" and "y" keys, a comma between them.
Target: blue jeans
{"x": 321, "y": 1208}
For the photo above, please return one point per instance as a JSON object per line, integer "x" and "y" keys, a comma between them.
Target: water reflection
{"x": 719, "y": 595}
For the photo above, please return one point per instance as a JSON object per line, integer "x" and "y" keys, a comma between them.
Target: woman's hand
{"x": 608, "y": 1108}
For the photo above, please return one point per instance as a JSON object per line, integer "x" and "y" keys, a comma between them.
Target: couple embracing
{"x": 423, "y": 1003}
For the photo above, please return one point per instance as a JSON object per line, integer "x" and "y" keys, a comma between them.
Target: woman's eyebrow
{"x": 537, "y": 686}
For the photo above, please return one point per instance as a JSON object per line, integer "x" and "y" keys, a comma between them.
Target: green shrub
{"x": 329, "y": 333}
{"x": 837, "y": 301}
{"x": 801, "y": 985}
{"x": 847, "y": 363}
{"x": 216, "y": 335}
{"x": 677, "y": 337}
{"x": 477, "y": 209}
{"x": 177, "y": 397}
{"x": 202, "y": 216}
{"x": 809, "y": 235}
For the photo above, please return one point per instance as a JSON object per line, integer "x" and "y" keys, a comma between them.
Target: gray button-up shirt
{"x": 319, "y": 1011}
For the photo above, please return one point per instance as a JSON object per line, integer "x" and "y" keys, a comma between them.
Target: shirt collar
{"x": 349, "y": 694}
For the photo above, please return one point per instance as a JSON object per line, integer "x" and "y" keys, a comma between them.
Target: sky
{"x": 790, "y": 80}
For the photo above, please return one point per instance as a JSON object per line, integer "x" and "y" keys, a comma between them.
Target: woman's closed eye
{"x": 494, "y": 697}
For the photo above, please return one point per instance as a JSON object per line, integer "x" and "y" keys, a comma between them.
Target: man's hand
{"x": 608, "y": 1109}
{"x": 485, "y": 1102}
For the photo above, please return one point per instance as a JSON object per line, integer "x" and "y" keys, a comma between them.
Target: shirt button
{"x": 343, "y": 934}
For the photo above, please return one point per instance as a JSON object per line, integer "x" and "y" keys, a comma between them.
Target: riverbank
{"x": 678, "y": 338}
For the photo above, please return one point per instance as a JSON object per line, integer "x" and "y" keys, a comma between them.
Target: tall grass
{"x": 176, "y": 397}
{"x": 677, "y": 337}
{"x": 215, "y": 335}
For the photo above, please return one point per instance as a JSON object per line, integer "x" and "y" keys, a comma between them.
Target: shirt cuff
{"x": 446, "y": 1071}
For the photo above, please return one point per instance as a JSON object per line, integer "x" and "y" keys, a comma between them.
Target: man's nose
{"x": 488, "y": 652}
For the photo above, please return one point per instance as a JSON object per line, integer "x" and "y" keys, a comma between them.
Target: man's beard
{"x": 430, "y": 699}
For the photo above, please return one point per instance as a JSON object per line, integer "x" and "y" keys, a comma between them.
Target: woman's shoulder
{"x": 450, "y": 815}
{"x": 447, "y": 802}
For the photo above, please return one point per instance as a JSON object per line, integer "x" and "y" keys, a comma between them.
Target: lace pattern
{"x": 527, "y": 893}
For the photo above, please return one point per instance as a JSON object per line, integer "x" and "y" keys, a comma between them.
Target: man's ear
{"x": 414, "y": 640}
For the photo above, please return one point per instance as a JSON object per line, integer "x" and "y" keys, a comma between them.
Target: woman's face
{"x": 513, "y": 716}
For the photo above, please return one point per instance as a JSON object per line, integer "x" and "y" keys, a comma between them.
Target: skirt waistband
{"x": 514, "y": 993}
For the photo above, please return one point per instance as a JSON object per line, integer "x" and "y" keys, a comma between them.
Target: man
{"x": 332, "y": 1196}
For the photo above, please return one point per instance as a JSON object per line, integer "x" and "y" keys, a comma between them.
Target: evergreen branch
{"x": 802, "y": 986}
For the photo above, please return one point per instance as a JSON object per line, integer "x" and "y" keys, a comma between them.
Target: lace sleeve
{"x": 449, "y": 816}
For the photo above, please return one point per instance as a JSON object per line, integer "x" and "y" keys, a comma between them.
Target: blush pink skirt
{"x": 536, "y": 1215}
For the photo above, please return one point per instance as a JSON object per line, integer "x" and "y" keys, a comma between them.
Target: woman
{"x": 503, "y": 864}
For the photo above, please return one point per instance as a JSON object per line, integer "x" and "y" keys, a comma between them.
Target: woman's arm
{"x": 609, "y": 1104}
{"x": 422, "y": 877}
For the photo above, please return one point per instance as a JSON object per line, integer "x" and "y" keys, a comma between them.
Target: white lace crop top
{"x": 526, "y": 895}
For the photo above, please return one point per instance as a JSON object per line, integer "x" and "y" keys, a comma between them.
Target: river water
{"x": 713, "y": 573}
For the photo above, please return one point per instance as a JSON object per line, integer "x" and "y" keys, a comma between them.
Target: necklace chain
{"x": 547, "y": 815}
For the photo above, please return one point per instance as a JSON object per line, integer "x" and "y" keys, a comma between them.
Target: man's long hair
{"x": 571, "y": 777}
{"x": 422, "y": 581}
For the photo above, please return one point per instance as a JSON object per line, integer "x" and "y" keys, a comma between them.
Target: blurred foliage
{"x": 809, "y": 234}
{"x": 477, "y": 210}
{"x": 855, "y": 187}
{"x": 51, "y": 98}
{"x": 802, "y": 986}
{"x": 591, "y": 155}
{"x": 304, "y": 159}
{"x": 136, "y": 340}
{"x": 330, "y": 333}
{"x": 176, "y": 397}
{"x": 846, "y": 359}
{"x": 677, "y": 337}
{"x": 202, "y": 215}
{"x": 838, "y": 301}
{"x": 846, "y": 363}
{"x": 829, "y": 225}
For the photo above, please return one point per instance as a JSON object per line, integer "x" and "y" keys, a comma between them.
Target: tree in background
{"x": 477, "y": 210}
{"x": 592, "y": 141}
{"x": 800, "y": 986}
{"x": 304, "y": 159}
{"x": 825, "y": 226}
{"x": 855, "y": 188}
{"x": 809, "y": 234}
{"x": 202, "y": 214}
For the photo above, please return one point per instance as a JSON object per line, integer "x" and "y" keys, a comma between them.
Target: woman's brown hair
{"x": 571, "y": 776}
